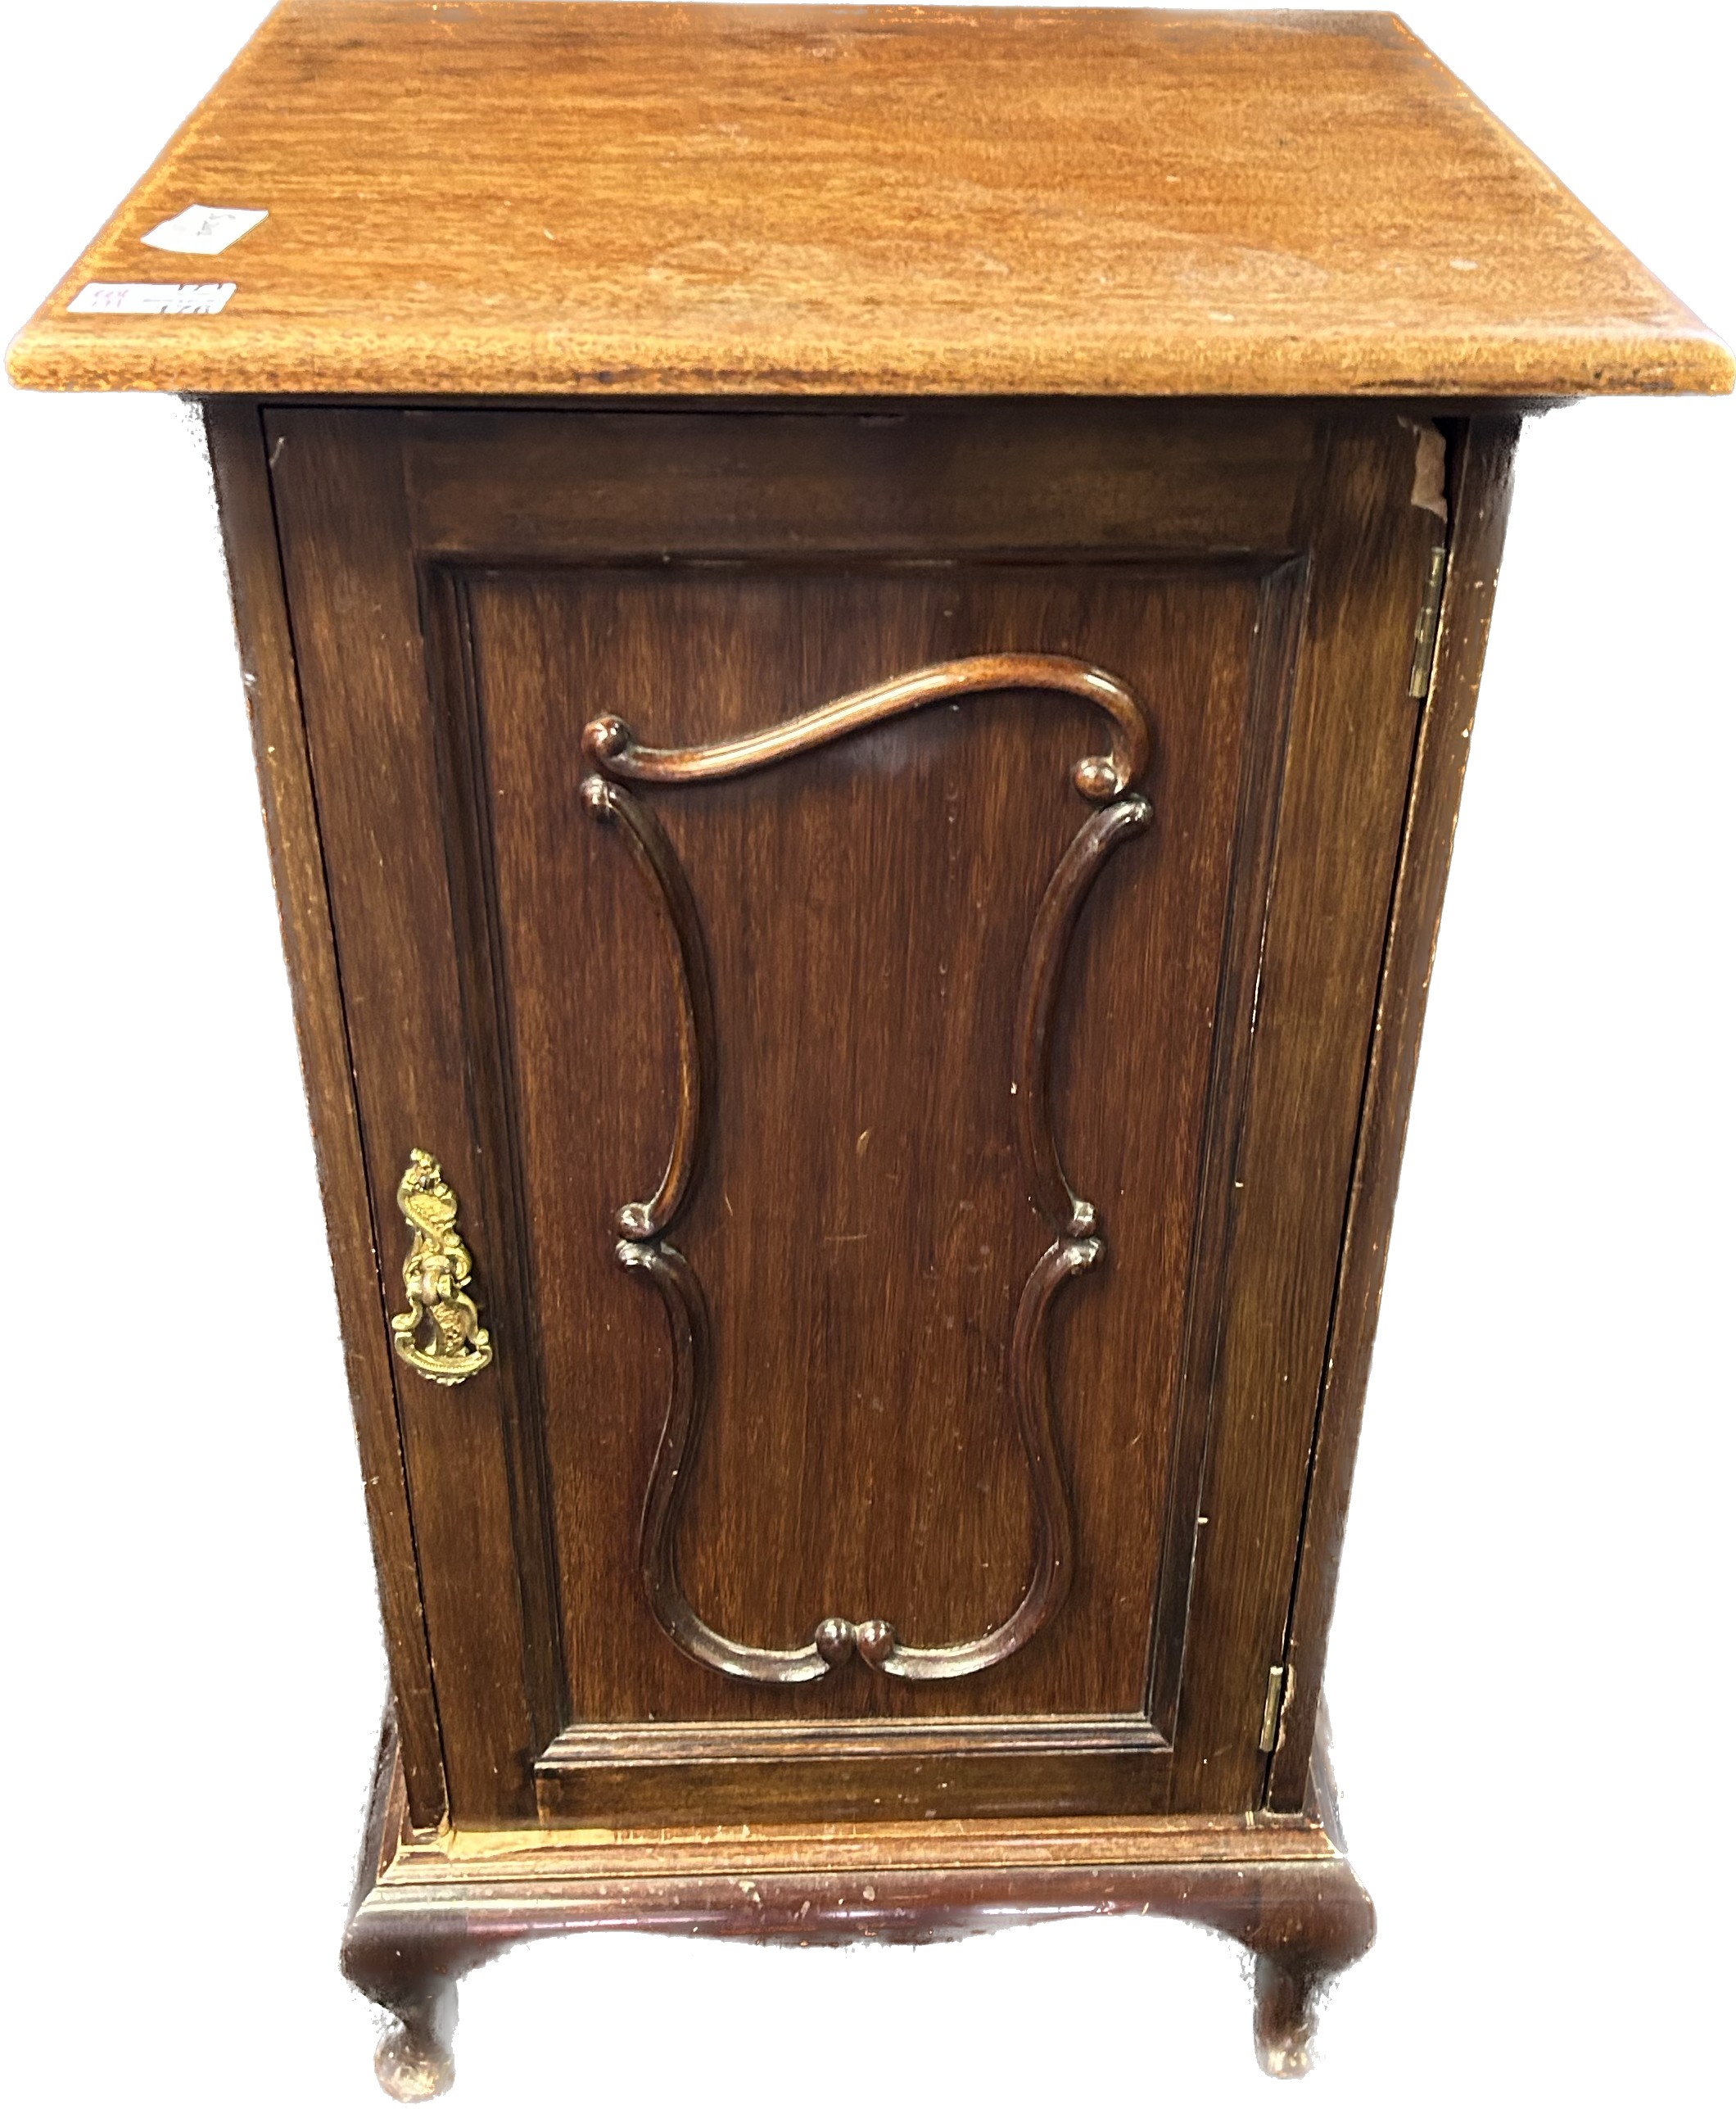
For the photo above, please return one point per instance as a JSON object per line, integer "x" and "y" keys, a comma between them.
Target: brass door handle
{"x": 441, "y": 1335}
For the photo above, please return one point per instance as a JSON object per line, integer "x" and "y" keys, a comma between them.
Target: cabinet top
{"x": 513, "y": 198}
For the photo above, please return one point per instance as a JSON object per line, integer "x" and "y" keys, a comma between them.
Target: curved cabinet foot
{"x": 1295, "y": 1959}
{"x": 1285, "y": 2014}
{"x": 424, "y": 1917}
{"x": 408, "y": 1963}
{"x": 414, "y": 2062}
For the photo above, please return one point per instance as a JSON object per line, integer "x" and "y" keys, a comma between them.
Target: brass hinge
{"x": 1428, "y": 624}
{"x": 1269, "y": 1720}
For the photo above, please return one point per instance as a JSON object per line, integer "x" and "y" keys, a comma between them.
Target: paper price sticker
{"x": 202, "y": 230}
{"x": 99, "y": 297}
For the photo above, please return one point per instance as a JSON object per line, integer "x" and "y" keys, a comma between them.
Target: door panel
{"x": 832, "y": 1306}
{"x": 861, "y": 1222}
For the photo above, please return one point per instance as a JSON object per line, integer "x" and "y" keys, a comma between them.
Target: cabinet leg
{"x": 419, "y": 1996}
{"x": 1293, "y": 1965}
{"x": 1286, "y": 1990}
{"x": 414, "y": 2058}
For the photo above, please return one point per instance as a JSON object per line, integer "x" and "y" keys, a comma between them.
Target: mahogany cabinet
{"x": 859, "y": 723}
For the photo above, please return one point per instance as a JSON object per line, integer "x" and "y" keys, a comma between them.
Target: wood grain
{"x": 437, "y": 1907}
{"x": 1481, "y": 488}
{"x": 863, "y": 908}
{"x": 891, "y": 920}
{"x": 1348, "y": 760}
{"x": 238, "y": 452}
{"x": 935, "y": 837}
{"x": 909, "y": 1010}
{"x": 862, "y": 1225}
{"x": 420, "y": 1030}
{"x": 505, "y": 198}
{"x": 609, "y": 745}
{"x": 905, "y": 479}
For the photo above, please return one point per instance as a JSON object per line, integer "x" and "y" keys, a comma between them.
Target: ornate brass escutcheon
{"x": 441, "y": 1335}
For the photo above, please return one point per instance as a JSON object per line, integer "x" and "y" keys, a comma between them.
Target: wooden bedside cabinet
{"x": 862, "y": 629}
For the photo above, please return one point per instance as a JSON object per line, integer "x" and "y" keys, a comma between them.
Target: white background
{"x": 1531, "y": 1668}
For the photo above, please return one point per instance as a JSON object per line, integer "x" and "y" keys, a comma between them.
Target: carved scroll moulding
{"x": 1106, "y": 781}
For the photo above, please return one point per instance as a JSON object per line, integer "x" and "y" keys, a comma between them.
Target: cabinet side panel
{"x": 1353, "y": 730}
{"x": 237, "y": 444}
{"x": 1482, "y": 488}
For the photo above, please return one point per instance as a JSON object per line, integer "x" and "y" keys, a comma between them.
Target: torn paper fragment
{"x": 99, "y": 297}
{"x": 1429, "y": 483}
{"x": 202, "y": 230}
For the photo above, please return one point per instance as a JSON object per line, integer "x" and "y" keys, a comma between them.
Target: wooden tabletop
{"x": 510, "y": 198}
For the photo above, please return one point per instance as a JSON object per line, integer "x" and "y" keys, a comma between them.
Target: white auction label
{"x": 99, "y": 298}
{"x": 202, "y": 230}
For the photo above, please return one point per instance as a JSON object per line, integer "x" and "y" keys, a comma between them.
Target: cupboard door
{"x": 876, "y": 918}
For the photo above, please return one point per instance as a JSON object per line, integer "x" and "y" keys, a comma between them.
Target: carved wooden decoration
{"x": 1106, "y": 780}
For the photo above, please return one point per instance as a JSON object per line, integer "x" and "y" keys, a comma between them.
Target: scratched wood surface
{"x": 469, "y": 590}
{"x": 429, "y": 1909}
{"x": 506, "y": 198}
{"x": 1482, "y": 486}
